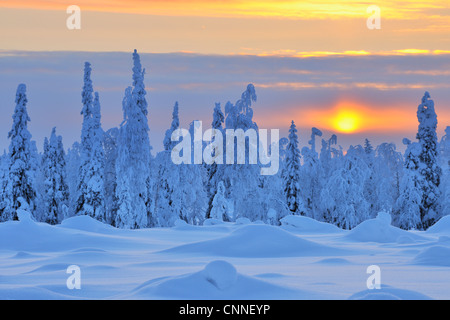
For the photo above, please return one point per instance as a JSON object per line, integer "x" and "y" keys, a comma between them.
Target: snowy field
{"x": 303, "y": 259}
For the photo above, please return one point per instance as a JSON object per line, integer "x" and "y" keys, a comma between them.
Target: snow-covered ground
{"x": 303, "y": 259}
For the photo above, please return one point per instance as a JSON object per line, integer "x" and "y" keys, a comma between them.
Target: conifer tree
{"x": 429, "y": 168}
{"x": 90, "y": 198}
{"x": 21, "y": 173}
{"x": 291, "y": 175}
{"x": 133, "y": 162}
{"x": 56, "y": 196}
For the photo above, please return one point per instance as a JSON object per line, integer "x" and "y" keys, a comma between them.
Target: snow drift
{"x": 219, "y": 280}
{"x": 257, "y": 241}
{"x": 380, "y": 230}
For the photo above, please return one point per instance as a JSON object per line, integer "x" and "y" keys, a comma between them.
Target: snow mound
{"x": 219, "y": 280}
{"x": 442, "y": 226}
{"x": 380, "y": 230}
{"x": 308, "y": 225}
{"x": 258, "y": 222}
{"x": 388, "y": 293}
{"x": 24, "y": 216}
{"x": 36, "y": 237}
{"x": 435, "y": 256}
{"x": 257, "y": 241}
{"x": 86, "y": 223}
{"x": 183, "y": 225}
{"x": 212, "y": 222}
{"x": 242, "y": 221}
{"x": 385, "y": 217}
{"x": 221, "y": 274}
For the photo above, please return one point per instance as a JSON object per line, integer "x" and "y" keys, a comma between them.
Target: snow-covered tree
{"x": 4, "y": 176}
{"x": 21, "y": 173}
{"x": 343, "y": 199}
{"x": 167, "y": 202}
{"x": 291, "y": 174}
{"x": 386, "y": 174}
{"x": 370, "y": 192}
{"x": 445, "y": 149}
{"x": 91, "y": 196}
{"x": 55, "y": 198}
{"x": 180, "y": 192}
{"x": 73, "y": 160}
{"x": 211, "y": 182}
{"x": 407, "y": 209}
{"x": 168, "y": 143}
{"x": 429, "y": 168}
{"x": 242, "y": 181}
{"x": 368, "y": 148}
{"x": 110, "y": 141}
{"x": 309, "y": 176}
{"x": 134, "y": 157}
{"x": 220, "y": 208}
{"x": 445, "y": 163}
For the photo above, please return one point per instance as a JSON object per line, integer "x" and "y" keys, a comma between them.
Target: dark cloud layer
{"x": 287, "y": 88}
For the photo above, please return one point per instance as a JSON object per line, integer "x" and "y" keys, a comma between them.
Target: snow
{"x": 388, "y": 293}
{"x": 221, "y": 274}
{"x": 434, "y": 256}
{"x": 228, "y": 261}
{"x": 380, "y": 230}
{"x": 307, "y": 225}
{"x": 442, "y": 226}
{"x": 258, "y": 241}
{"x": 219, "y": 280}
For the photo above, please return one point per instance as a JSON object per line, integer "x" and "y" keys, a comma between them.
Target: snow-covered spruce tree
{"x": 211, "y": 183}
{"x": 21, "y": 169}
{"x": 73, "y": 160}
{"x": 220, "y": 208}
{"x": 167, "y": 202}
{"x": 291, "y": 175}
{"x": 343, "y": 201}
{"x": 4, "y": 175}
{"x": 370, "y": 185}
{"x": 242, "y": 181}
{"x": 56, "y": 196}
{"x": 429, "y": 168}
{"x": 134, "y": 157}
{"x": 91, "y": 197}
{"x": 309, "y": 176}
{"x": 110, "y": 141}
{"x": 407, "y": 213}
{"x": 444, "y": 146}
{"x": 445, "y": 162}
{"x": 387, "y": 173}
{"x": 330, "y": 157}
{"x": 193, "y": 194}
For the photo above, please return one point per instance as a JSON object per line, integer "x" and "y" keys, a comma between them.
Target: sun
{"x": 347, "y": 121}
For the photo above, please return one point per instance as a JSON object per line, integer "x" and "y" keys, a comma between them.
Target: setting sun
{"x": 347, "y": 121}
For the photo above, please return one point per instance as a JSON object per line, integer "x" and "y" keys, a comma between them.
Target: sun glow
{"x": 352, "y": 117}
{"x": 347, "y": 121}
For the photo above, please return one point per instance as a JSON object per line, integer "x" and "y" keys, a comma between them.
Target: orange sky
{"x": 318, "y": 9}
{"x": 263, "y": 27}
{"x": 295, "y": 30}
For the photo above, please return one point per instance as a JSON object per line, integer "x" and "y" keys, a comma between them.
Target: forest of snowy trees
{"x": 112, "y": 176}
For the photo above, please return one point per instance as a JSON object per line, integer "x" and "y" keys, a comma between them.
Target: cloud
{"x": 384, "y": 89}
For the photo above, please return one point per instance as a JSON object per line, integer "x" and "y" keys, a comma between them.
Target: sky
{"x": 316, "y": 63}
